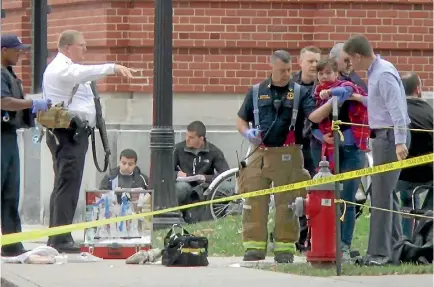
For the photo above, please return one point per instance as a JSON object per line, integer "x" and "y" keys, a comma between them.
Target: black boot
{"x": 13, "y": 250}
{"x": 254, "y": 255}
{"x": 283, "y": 257}
{"x": 68, "y": 247}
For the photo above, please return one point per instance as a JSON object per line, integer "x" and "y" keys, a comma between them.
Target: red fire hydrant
{"x": 319, "y": 208}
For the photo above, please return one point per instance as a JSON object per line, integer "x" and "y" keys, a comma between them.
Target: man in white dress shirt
{"x": 66, "y": 80}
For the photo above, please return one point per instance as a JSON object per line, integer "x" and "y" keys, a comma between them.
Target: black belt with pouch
{"x": 184, "y": 249}
{"x": 374, "y": 132}
{"x": 80, "y": 127}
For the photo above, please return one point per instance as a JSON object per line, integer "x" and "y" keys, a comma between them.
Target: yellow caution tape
{"x": 345, "y": 202}
{"x": 335, "y": 126}
{"x": 36, "y": 234}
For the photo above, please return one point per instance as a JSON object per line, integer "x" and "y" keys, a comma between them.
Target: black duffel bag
{"x": 184, "y": 249}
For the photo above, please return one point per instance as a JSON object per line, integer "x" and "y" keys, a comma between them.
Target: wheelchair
{"x": 223, "y": 209}
{"x": 426, "y": 205}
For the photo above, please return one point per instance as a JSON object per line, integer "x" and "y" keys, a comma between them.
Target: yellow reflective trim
{"x": 284, "y": 247}
{"x": 192, "y": 250}
{"x": 255, "y": 245}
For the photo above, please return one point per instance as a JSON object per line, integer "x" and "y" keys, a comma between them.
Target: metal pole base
{"x": 163, "y": 177}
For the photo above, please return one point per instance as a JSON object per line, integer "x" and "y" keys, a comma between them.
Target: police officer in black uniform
{"x": 16, "y": 112}
{"x": 309, "y": 57}
{"x": 307, "y": 77}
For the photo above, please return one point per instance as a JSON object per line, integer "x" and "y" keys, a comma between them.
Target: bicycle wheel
{"x": 226, "y": 187}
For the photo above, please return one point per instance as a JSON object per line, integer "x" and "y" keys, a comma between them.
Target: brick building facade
{"x": 220, "y": 48}
{"x": 223, "y": 46}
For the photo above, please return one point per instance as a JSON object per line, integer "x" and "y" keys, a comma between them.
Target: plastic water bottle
{"x": 90, "y": 234}
{"x": 61, "y": 258}
{"x": 35, "y": 135}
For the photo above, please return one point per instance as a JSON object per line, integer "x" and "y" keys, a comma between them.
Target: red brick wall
{"x": 18, "y": 21}
{"x": 223, "y": 46}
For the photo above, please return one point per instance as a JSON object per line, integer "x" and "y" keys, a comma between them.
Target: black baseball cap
{"x": 11, "y": 41}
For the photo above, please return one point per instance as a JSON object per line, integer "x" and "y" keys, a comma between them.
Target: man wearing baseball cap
{"x": 16, "y": 112}
{"x": 11, "y": 41}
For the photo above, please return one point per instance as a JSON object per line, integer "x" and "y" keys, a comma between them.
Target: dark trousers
{"x": 10, "y": 189}
{"x": 385, "y": 228}
{"x": 68, "y": 163}
{"x": 310, "y": 167}
{"x": 309, "y": 163}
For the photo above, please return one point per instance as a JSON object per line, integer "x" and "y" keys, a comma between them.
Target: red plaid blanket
{"x": 357, "y": 114}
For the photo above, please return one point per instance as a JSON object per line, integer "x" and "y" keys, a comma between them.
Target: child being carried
{"x": 352, "y": 102}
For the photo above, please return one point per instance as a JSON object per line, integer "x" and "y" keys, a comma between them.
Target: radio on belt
{"x": 122, "y": 239}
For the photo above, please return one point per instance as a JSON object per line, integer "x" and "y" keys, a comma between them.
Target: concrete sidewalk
{"x": 221, "y": 271}
{"x": 115, "y": 273}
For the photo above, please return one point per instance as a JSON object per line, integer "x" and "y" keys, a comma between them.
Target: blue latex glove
{"x": 342, "y": 93}
{"x": 318, "y": 135}
{"x": 252, "y": 135}
{"x": 40, "y": 105}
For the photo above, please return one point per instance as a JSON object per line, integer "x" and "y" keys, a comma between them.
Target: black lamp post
{"x": 162, "y": 134}
{"x": 40, "y": 50}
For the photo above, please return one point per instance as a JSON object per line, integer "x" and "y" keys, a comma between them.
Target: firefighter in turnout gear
{"x": 277, "y": 108}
